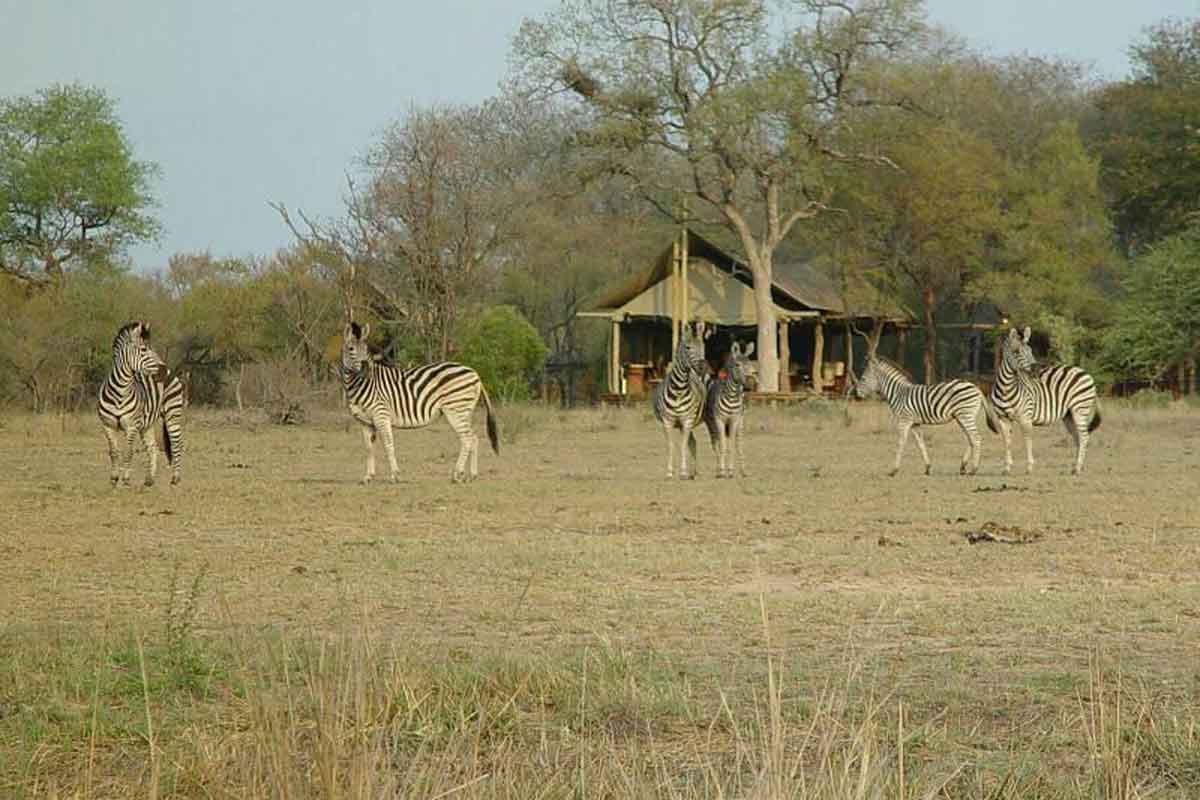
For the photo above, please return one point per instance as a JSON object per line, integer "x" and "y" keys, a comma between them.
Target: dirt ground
{"x": 574, "y": 536}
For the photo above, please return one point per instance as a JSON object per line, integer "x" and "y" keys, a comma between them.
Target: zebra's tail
{"x": 1095, "y": 423}
{"x": 992, "y": 423}
{"x": 493, "y": 431}
{"x": 168, "y": 447}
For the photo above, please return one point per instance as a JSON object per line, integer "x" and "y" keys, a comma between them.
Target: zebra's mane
{"x": 894, "y": 367}
{"x": 125, "y": 332}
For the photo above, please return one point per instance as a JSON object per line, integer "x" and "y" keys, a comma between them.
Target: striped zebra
{"x": 139, "y": 393}
{"x": 725, "y": 411}
{"x": 679, "y": 399}
{"x": 914, "y": 405}
{"x": 1029, "y": 398}
{"x": 382, "y": 397}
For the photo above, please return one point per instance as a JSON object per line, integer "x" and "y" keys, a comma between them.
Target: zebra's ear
{"x": 749, "y": 351}
{"x": 1013, "y": 335}
{"x": 366, "y": 331}
{"x": 736, "y": 351}
{"x": 145, "y": 330}
{"x": 1027, "y": 334}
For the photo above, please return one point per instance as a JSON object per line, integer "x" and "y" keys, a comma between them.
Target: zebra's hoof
{"x": 175, "y": 479}
{"x": 366, "y": 480}
{"x": 928, "y": 470}
{"x": 892, "y": 473}
{"x": 148, "y": 482}
{"x": 394, "y": 478}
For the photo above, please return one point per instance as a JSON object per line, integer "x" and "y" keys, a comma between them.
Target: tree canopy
{"x": 70, "y": 187}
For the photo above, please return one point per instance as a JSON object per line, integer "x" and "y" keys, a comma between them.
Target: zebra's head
{"x": 1016, "y": 352}
{"x": 131, "y": 348}
{"x": 354, "y": 346}
{"x": 737, "y": 367}
{"x": 868, "y": 383}
{"x": 691, "y": 349}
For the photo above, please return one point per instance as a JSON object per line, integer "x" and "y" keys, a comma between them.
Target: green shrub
{"x": 1150, "y": 398}
{"x": 506, "y": 350}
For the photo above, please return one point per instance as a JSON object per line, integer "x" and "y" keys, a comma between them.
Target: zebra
{"x": 914, "y": 405}
{"x": 139, "y": 392}
{"x": 679, "y": 400}
{"x": 382, "y": 397}
{"x": 725, "y": 410}
{"x": 1027, "y": 399}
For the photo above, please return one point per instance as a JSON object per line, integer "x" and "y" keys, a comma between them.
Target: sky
{"x": 246, "y": 102}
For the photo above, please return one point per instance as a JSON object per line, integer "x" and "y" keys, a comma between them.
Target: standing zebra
{"x": 139, "y": 392}
{"x": 725, "y": 411}
{"x": 382, "y": 397}
{"x": 914, "y": 405}
{"x": 679, "y": 399}
{"x": 1055, "y": 393}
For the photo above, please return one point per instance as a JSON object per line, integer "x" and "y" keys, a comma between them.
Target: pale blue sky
{"x": 244, "y": 102}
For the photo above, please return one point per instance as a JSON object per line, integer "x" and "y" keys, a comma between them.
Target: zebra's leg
{"x": 669, "y": 430}
{"x": 131, "y": 436}
{"x": 151, "y": 445}
{"x": 1077, "y": 426}
{"x": 383, "y": 424}
{"x": 461, "y": 423}
{"x": 1006, "y": 435}
{"x": 368, "y": 434}
{"x": 970, "y": 459}
{"x": 924, "y": 452}
{"x": 722, "y": 448}
{"x": 902, "y": 429}
{"x": 688, "y": 471}
{"x": 114, "y": 454}
{"x": 173, "y": 430}
{"x": 737, "y": 441}
{"x": 1027, "y": 432}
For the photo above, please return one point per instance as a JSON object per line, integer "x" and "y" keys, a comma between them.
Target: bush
{"x": 505, "y": 350}
{"x": 1150, "y": 398}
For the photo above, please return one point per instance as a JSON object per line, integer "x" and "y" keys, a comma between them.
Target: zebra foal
{"x": 1031, "y": 399}
{"x": 138, "y": 393}
{"x": 382, "y": 397}
{"x": 725, "y": 411}
{"x": 679, "y": 400}
{"x": 914, "y": 405}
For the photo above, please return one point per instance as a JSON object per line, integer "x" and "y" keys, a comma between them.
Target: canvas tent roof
{"x": 795, "y": 287}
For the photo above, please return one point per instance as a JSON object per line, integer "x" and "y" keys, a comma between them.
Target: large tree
{"x": 70, "y": 188}
{"x": 714, "y": 118}
{"x": 1145, "y": 131}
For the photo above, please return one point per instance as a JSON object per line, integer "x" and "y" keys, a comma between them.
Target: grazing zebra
{"x": 139, "y": 392}
{"x": 1027, "y": 399}
{"x": 725, "y": 411}
{"x": 382, "y": 397}
{"x": 914, "y": 405}
{"x": 679, "y": 399}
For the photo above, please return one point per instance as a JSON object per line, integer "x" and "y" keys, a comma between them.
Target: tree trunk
{"x": 764, "y": 310}
{"x": 237, "y": 387}
{"x": 1191, "y": 376}
{"x": 818, "y": 358}
{"x": 930, "y": 355}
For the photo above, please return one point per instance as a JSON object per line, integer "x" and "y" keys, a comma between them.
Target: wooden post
{"x": 614, "y": 366}
{"x": 683, "y": 269}
{"x": 818, "y": 361}
{"x": 674, "y": 297}
{"x": 785, "y": 357}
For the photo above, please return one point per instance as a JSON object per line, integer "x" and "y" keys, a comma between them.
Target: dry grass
{"x": 576, "y": 625}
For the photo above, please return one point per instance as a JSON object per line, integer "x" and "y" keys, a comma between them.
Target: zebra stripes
{"x": 914, "y": 405}
{"x": 383, "y": 397}
{"x": 725, "y": 410}
{"x": 679, "y": 399}
{"x": 1027, "y": 399}
{"x": 138, "y": 392}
